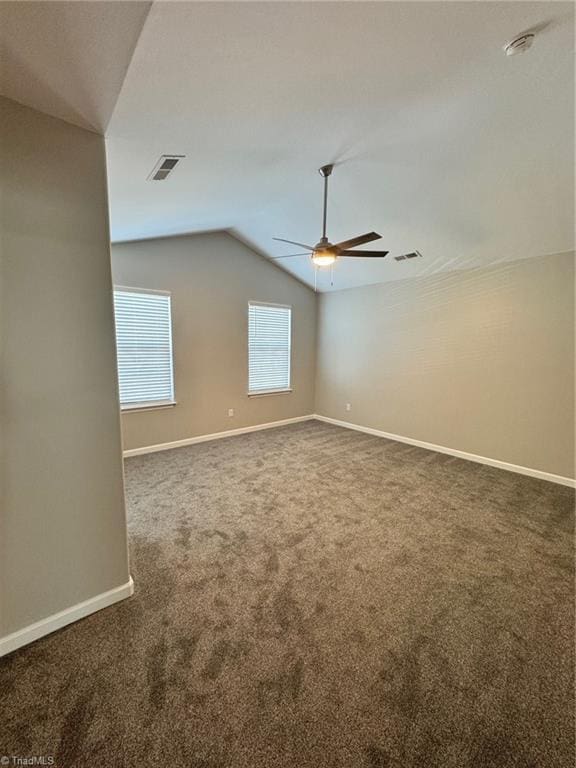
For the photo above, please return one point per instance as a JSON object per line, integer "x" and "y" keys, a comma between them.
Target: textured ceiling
{"x": 446, "y": 145}
{"x": 68, "y": 59}
{"x": 442, "y": 143}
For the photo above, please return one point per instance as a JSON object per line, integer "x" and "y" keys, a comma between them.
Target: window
{"x": 268, "y": 348}
{"x": 144, "y": 347}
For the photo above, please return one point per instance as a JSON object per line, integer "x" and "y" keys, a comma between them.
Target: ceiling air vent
{"x": 413, "y": 255}
{"x": 164, "y": 167}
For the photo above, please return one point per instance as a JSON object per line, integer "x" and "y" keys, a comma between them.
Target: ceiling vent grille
{"x": 412, "y": 255}
{"x": 164, "y": 167}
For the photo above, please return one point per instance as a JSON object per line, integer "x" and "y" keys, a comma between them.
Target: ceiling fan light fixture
{"x": 325, "y": 253}
{"x": 323, "y": 258}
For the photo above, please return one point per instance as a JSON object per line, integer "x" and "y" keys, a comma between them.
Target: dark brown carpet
{"x": 311, "y": 597}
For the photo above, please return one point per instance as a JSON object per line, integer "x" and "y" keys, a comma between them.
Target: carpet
{"x": 313, "y": 597}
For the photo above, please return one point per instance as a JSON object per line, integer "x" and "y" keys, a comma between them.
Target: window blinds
{"x": 268, "y": 348}
{"x": 144, "y": 347}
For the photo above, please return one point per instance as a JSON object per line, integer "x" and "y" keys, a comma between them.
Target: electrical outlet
{"x": 230, "y": 411}
{"x": 348, "y": 407}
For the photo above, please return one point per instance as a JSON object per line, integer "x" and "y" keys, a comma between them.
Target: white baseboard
{"x": 213, "y": 436}
{"x": 67, "y": 616}
{"x": 453, "y": 452}
{"x": 58, "y": 620}
{"x": 571, "y": 483}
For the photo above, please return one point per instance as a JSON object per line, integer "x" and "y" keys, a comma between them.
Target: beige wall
{"x": 212, "y": 277}
{"x": 480, "y": 361}
{"x": 63, "y": 531}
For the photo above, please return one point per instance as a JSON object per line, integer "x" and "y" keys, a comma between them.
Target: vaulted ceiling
{"x": 441, "y": 143}
{"x": 68, "y": 59}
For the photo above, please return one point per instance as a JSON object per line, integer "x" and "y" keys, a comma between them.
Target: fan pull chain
{"x": 332, "y": 274}
{"x": 315, "y": 278}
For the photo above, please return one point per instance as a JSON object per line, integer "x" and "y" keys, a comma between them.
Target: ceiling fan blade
{"x": 290, "y": 256}
{"x": 361, "y": 254}
{"x": 360, "y": 240}
{"x": 293, "y": 242}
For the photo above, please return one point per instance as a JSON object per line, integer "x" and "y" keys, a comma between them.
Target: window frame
{"x": 279, "y": 390}
{"x": 147, "y": 405}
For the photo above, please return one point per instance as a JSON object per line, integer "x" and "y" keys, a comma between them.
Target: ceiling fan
{"x": 325, "y": 253}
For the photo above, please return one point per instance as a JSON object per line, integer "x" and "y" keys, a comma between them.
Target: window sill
{"x": 151, "y": 407}
{"x": 267, "y": 393}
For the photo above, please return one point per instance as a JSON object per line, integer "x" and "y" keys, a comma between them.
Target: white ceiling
{"x": 444, "y": 145}
{"x": 68, "y": 59}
